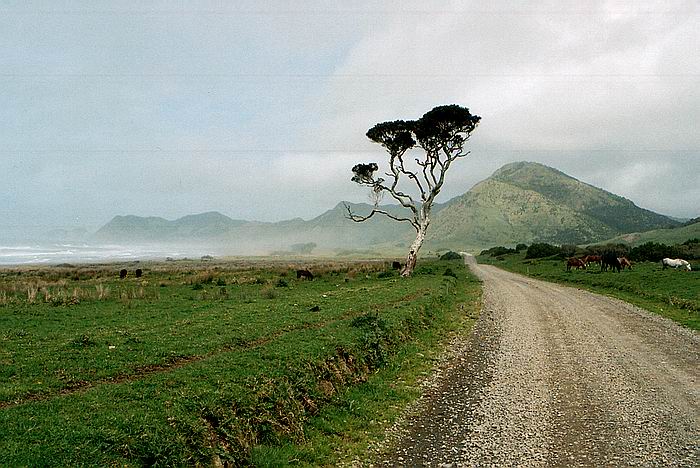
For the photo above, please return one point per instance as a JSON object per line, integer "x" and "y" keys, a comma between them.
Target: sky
{"x": 259, "y": 109}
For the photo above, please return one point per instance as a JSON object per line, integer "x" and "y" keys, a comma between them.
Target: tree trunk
{"x": 413, "y": 252}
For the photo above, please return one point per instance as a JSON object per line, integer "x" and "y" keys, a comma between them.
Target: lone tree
{"x": 437, "y": 139}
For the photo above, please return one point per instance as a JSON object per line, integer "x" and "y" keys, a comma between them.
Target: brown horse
{"x": 624, "y": 262}
{"x": 588, "y": 259}
{"x": 575, "y": 263}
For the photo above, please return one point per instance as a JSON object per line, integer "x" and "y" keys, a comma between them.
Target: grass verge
{"x": 673, "y": 294}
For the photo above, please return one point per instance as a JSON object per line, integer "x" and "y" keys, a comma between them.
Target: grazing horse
{"x": 122, "y": 274}
{"x": 588, "y": 259}
{"x": 305, "y": 274}
{"x": 576, "y": 263}
{"x": 138, "y": 272}
{"x": 624, "y": 262}
{"x": 675, "y": 263}
{"x": 609, "y": 259}
{"x": 396, "y": 265}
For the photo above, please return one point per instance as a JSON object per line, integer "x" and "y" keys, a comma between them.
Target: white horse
{"x": 675, "y": 263}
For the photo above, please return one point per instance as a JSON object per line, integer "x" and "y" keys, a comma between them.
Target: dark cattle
{"x": 138, "y": 272}
{"x": 609, "y": 259}
{"x": 575, "y": 263}
{"x": 305, "y": 274}
{"x": 122, "y": 274}
{"x": 396, "y": 265}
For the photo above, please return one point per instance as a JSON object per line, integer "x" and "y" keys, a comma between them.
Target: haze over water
{"x": 48, "y": 253}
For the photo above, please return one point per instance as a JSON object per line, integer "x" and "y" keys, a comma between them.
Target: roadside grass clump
{"x": 83, "y": 341}
{"x": 269, "y": 292}
{"x": 183, "y": 380}
{"x": 449, "y": 272}
{"x": 102, "y": 292}
{"x": 201, "y": 278}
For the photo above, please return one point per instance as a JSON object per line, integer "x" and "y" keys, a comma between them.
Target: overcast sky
{"x": 259, "y": 109}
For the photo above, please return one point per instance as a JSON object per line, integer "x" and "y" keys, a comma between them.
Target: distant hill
{"x": 205, "y": 226}
{"x": 529, "y": 202}
{"x": 671, "y": 236}
{"x": 330, "y": 231}
{"x": 520, "y": 202}
{"x": 612, "y": 210}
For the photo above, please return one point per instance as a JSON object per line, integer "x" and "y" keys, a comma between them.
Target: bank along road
{"x": 556, "y": 376}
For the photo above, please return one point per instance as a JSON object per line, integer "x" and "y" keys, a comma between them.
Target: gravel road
{"x": 556, "y": 376}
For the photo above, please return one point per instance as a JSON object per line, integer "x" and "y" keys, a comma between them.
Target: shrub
{"x": 653, "y": 252}
{"x": 542, "y": 249}
{"x": 451, "y": 256}
{"x": 268, "y": 292}
{"x": 497, "y": 251}
{"x": 376, "y": 337}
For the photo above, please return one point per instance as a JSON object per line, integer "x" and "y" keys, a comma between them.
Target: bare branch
{"x": 405, "y": 199}
{"x": 359, "y": 219}
{"x": 412, "y": 176}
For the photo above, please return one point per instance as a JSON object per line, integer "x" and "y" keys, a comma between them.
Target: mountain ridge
{"x": 519, "y": 202}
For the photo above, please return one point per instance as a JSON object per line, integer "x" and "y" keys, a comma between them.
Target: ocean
{"x": 90, "y": 253}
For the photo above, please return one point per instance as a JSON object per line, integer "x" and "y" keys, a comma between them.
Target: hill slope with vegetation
{"x": 530, "y": 202}
{"x": 666, "y": 236}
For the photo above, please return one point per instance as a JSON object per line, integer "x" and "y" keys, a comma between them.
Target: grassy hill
{"x": 612, "y": 210}
{"x": 530, "y": 202}
{"x": 154, "y": 229}
{"x": 669, "y": 236}
{"x": 330, "y": 231}
{"x": 496, "y": 213}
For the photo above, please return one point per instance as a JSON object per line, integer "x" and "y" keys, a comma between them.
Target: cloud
{"x": 260, "y": 110}
{"x": 598, "y": 91}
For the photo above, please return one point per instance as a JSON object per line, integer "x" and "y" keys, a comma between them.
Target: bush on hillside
{"x": 451, "y": 256}
{"x": 568, "y": 250}
{"x": 653, "y": 252}
{"x": 520, "y": 247}
{"x": 620, "y": 250}
{"x": 690, "y": 249}
{"x": 542, "y": 249}
{"x": 496, "y": 251}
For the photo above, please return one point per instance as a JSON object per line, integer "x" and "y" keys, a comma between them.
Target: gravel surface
{"x": 556, "y": 376}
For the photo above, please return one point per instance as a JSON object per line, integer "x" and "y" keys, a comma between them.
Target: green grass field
{"x": 671, "y": 293}
{"x": 202, "y": 363}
